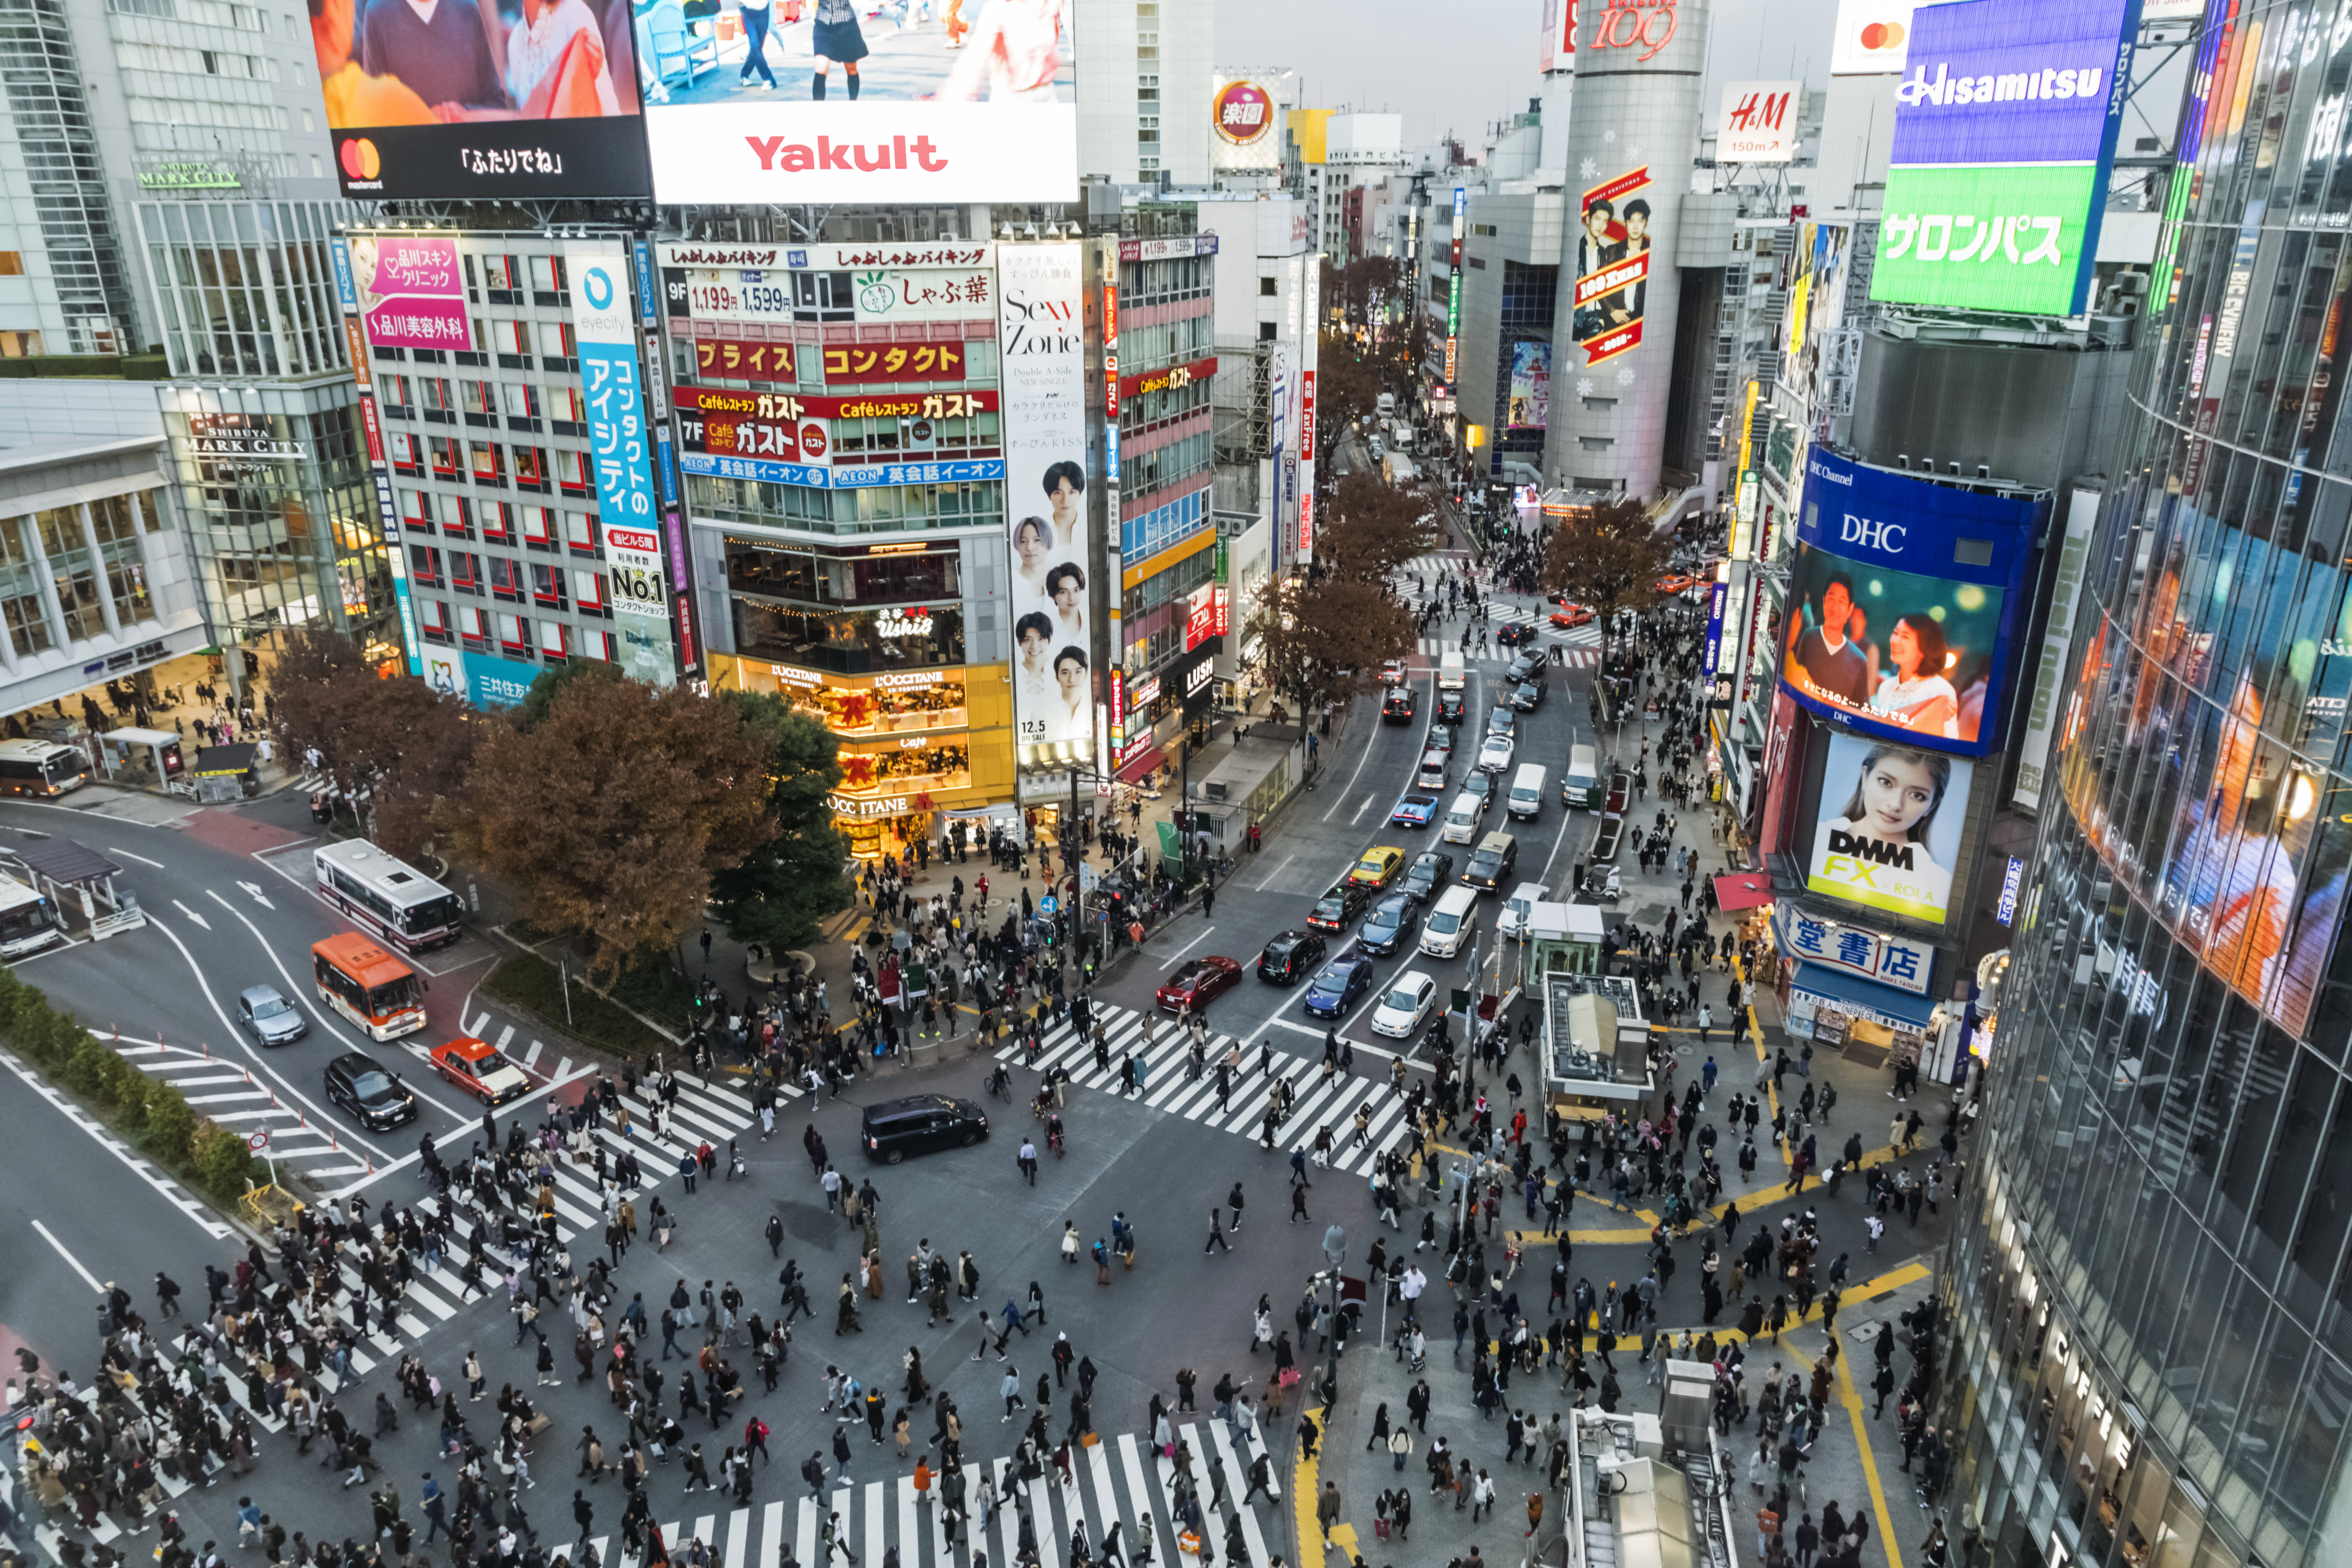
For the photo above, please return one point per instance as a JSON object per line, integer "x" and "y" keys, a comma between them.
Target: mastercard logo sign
{"x": 1872, "y": 38}
{"x": 360, "y": 159}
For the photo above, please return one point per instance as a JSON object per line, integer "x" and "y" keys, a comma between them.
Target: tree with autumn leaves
{"x": 1323, "y": 635}
{"x": 1607, "y": 561}
{"x": 617, "y": 811}
{"x": 396, "y": 749}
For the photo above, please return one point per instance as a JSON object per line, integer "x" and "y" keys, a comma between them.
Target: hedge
{"x": 152, "y": 1114}
{"x": 530, "y": 984}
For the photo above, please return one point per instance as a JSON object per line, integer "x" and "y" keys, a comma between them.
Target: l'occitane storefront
{"x": 919, "y": 748}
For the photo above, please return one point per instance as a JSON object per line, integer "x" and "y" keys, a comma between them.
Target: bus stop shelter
{"x": 59, "y": 867}
{"x": 144, "y": 759}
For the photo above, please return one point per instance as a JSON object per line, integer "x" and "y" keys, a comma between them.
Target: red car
{"x": 1570, "y": 614}
{"x": 476, "y": 1066}
{"x": 1197, "y": 983}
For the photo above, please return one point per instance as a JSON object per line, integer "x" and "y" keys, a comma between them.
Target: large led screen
{"x": 491, "y": 98}
{"x": 1903, "y": 596}
{"x": 835, "y": 100}
{"x": 1888, "y": 832}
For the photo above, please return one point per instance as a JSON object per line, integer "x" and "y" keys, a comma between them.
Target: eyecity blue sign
{"x": 2014, "y": 82}
{"x": 1903, "y": 594}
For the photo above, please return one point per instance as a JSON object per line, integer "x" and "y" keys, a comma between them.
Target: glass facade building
{"x": 2150, "y": 1365}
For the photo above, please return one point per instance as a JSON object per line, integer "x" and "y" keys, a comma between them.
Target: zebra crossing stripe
{"x": 1196, "y": 1099}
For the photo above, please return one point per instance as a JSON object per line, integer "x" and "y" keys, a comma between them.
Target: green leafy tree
{"x": 781, "y": 890}
{"x": 170, "y": 1124}
{"x": 225, "y": 1162}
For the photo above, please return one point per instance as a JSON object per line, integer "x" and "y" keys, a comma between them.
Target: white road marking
{"x": 195, "y": 917}
{"x": 51, "y": 1237}
{"x": 127, "y": 855}
{"x": 1189, "y": 946}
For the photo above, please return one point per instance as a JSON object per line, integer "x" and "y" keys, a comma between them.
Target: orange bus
{"x": 368, "y": 986}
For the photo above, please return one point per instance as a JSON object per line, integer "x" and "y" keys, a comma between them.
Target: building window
{"x": 553, "y": 643}
{"x": 20, "y": 593}
{"x": 530, "y": 466}
{"x": 424, "y": 565}
{"x": 432, "y": 619}
{"x": 394, "y": 390}
{"x": 114, "y": 520}
{"x": 407, "y": 456}
{"x": 473, "y": 625}
{"x": 572, "y": 472}
{"x": 588, "y": 592}
{"x": 444, "y": 456}
{"x": 498, "y": 523}
{"x": 537, "y": 528}
{"x": 514, "y": 636}
{"x": 465, "y": 572}
{"x": 73, "y": 569}
{"x": 490, "y": 462}
{"x": 547, "y": 583}
{"x": 506, "y": 582}
{"x": 521, "y": 399}
{"x": 580, "y": 533}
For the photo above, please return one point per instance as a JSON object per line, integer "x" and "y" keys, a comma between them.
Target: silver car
{"x": 269, "y": 1017}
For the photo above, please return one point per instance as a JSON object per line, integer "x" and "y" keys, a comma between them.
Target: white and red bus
{"x": 368, "y": 986}
{"x": 391, "y": 897}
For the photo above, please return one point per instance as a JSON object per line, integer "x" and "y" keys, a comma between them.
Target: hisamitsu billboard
{"x": 2013, "y": 81}
{"x": 2005, "y": 128}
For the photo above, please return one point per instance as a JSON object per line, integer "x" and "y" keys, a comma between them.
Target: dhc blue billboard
{"x": 1904, "y": 597}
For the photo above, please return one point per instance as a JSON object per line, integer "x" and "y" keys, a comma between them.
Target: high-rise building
{"x": 106, "y": 103}
{"x": 1331, "y": 154}
{"x": 1144, "y": 96}
{"x": 2149, "y": 1366}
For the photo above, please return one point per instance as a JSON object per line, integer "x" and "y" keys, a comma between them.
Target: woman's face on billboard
{"x": 1896, "y": 793}
{"x": 1903, "y": 646}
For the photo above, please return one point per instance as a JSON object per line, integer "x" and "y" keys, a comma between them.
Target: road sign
{"x": 258, "y": 1142}
{"x": 1048, "y": 904}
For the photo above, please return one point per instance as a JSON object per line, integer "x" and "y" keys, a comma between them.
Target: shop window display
{"x": 935, "y": 765}
{"x": 850, "y": 642}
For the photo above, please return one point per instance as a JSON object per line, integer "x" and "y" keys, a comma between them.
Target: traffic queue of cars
{"x": 1394, "y": 900}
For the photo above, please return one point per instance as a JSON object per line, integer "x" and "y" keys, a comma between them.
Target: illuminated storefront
{"x": 918, "y": 746}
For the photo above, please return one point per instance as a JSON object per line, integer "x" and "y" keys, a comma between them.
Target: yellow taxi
{"x": 1378, "y": 868}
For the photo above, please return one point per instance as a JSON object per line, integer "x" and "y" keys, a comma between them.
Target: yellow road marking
{"x": 1852, "y": 1398}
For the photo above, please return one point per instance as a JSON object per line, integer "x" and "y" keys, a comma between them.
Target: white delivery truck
{"x": 1400, "y": 469}
{"x": 1450, "y": 677}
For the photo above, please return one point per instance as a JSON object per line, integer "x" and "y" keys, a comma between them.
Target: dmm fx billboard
{"x": 2005, "y": 129}
{"x": 620, "y": 443}
{"x": 1903, "y": 596}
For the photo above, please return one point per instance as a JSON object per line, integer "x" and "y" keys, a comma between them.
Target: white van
{"x": 1581, "y": 786}
{"x": 1526, "y": 798}
{"x": 1449, "y": 922}
{"x": 1434, "y": 775}
{"x": 1517, "y": 911}
{"x": 1462, "y": 818}
{"x": 1450, "y": 675}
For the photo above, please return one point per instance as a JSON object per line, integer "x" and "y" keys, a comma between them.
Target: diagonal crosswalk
{"x": 1322, "y": 1100}
{"x": 1118, "y": 1480}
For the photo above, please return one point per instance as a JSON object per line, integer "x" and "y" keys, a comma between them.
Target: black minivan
{"x": 374, "y": 1097}
{"x": 917, "y": 1123}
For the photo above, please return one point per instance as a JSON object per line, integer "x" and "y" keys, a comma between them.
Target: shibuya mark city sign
{"x": 2005, "y": 129}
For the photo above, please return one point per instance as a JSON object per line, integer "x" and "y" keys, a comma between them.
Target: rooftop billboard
{"x": 834, "y": 101}
{"x": 2005, "y": 128}
{"x": 454, "y": 101}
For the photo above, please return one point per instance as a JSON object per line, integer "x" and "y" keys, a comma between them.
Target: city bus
{"x": 368, "y": 986}
{"x": 28, "y": 921}
{"x": 400, "y": 903}
{"x": 41, "y": 767}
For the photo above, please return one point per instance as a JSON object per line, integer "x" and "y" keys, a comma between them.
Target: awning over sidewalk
{"x": 1739, "y": 890}
{"x": 1142, "y": 765}
{"x": 1860, "y": 998}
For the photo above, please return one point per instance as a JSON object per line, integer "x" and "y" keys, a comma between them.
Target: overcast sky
{"x": 1461, "y": 67}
